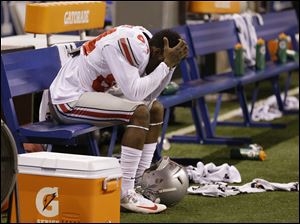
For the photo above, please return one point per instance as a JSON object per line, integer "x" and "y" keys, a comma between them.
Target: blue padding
{"x": 212, "y": 37}
{"x": 31, "y": 71}
{"x": 251, "y": 76}
{"x": 48, "y": 129}
{"x": 197, "y": 88}
{"x": 276, "y": 23}
{"x": 272, "y": 70}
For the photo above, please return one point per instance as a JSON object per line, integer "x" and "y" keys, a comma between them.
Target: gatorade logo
{"x": 46, "y": 201}
{"x": 76, "y": 17}
{"x": 263, "y": 50}
{"x": 282, "y": 44}
{"x": 222, "y": 4}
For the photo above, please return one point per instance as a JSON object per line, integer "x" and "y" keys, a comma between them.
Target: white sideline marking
{"x": 225, "y": 116}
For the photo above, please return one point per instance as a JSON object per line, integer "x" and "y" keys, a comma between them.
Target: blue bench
{"x": 210, "y": 38}
{"x": 274, "y": 24}
{"x": 271, "y": 72}
{"x": 219, "y": 36}
{"x": 33, "y": 71}
{"x": 194, "y": 88}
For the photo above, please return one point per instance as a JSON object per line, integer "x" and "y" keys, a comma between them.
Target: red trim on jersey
{"x": 101, "y": 84}
{"x": 86, "y": 112}
{"x": 141, "y": 38}
{"x": 63, "y": 108}
{"x": 99, "y": 114}
{"x": 126, "y": 50}
{"x": 90, "y": 45}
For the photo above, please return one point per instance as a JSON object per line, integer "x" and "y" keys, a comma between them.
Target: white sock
{"x": 130, "y": 159}
{"x": 146, "y": 158}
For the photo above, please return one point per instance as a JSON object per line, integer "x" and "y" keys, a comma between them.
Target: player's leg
{"x": 105, "y": 110}
{"x": 135, "y": 134}
{"x": 156, "y": 120}
{"x": 132, "y": 143}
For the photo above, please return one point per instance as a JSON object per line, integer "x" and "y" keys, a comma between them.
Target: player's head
{"x": 156, "y": 44}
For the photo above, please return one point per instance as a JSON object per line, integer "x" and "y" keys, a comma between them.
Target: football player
{"x": 116, "y": 78}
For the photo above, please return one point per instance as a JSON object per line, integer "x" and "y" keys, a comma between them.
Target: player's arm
{"x": 172, "y": 57}
{"x": 161, "y": 86}
{"x": 127, "y": 76}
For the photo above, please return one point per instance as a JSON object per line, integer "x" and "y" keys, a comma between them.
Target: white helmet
{"x": 165, "y": 182}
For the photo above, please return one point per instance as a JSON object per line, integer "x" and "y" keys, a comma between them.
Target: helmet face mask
{"x": 165, "y": 182}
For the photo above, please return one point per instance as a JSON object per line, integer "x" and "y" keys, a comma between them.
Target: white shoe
{"x": 137, "y": 203}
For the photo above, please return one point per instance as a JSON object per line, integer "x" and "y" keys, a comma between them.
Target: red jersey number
{"x": 102, "y": 84}
{"x": 89, "y": 46}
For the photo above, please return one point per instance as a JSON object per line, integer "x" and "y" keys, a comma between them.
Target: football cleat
{"x": 135, "y": 202}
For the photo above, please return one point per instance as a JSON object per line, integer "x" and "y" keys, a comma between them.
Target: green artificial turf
{"x": 281, "y": 165}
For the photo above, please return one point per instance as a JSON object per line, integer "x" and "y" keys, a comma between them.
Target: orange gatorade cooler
{"x": 59, "y": 187}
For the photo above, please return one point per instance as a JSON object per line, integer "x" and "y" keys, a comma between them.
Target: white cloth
{"x": 268, "y": 110}
{"x": 255, "y": 186}
{"x": 63, "y": 50}
{"x": 210, "y": 173}
{"x": 251, "y": 37}
{"x": 291, "y": 103}
{"x": 246, "y": 33}
{"x": 44, "y": 108}
{"x": 244, "y": 38}
{"x": 218, "y": 189}
{"x": 120, "y": 57}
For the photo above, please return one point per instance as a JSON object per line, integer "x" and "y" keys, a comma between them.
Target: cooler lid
{"x": 67, "y": 161}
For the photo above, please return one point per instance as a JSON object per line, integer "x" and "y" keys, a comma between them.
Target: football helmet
{"x": 164, "y": 182}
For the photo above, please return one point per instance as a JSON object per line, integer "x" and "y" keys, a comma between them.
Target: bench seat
{"x": 29, "y": 72}
{"x": 251, "y": 76}
{"x": 197, "y": 88}
{"x": 48, "y": 129}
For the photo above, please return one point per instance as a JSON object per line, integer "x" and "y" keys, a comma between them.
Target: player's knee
{"x": 141, "y": 116}
{"x": 156, "y": 112}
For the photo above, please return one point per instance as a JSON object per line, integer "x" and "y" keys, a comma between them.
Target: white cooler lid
{"x": 63, "y": 164}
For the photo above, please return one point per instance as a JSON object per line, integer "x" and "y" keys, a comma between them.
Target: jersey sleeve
{"x": 135, "y": 50}
{"x": 161, "y": 86}
{"x": 128, "y": 77}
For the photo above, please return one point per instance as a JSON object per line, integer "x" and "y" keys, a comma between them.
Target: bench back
{"x": 29, "y": 71}
{"x": 26, "y": 72}
{"x": 57, "y": 17}
{"x": 188, "y": 66}
{"x": 276, "y": 23}
{"x": 213, "y": 37}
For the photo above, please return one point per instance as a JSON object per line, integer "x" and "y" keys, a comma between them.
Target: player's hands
{"x": 172, "y": 56}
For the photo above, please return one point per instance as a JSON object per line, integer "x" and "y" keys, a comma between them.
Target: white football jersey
{"x": 118, "y": 56}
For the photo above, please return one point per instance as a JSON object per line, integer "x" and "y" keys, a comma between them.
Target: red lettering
{"x": 89, "y": 46}
{"x": 141, "y": 38}
{"x": 102, "y": 84}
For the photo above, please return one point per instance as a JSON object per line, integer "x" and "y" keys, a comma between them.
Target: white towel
{"x": 210, "y": 173}
{"x": 257, "y": 185}
{"x": 268, "y": 110}
{"x": 246, "y": 33}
